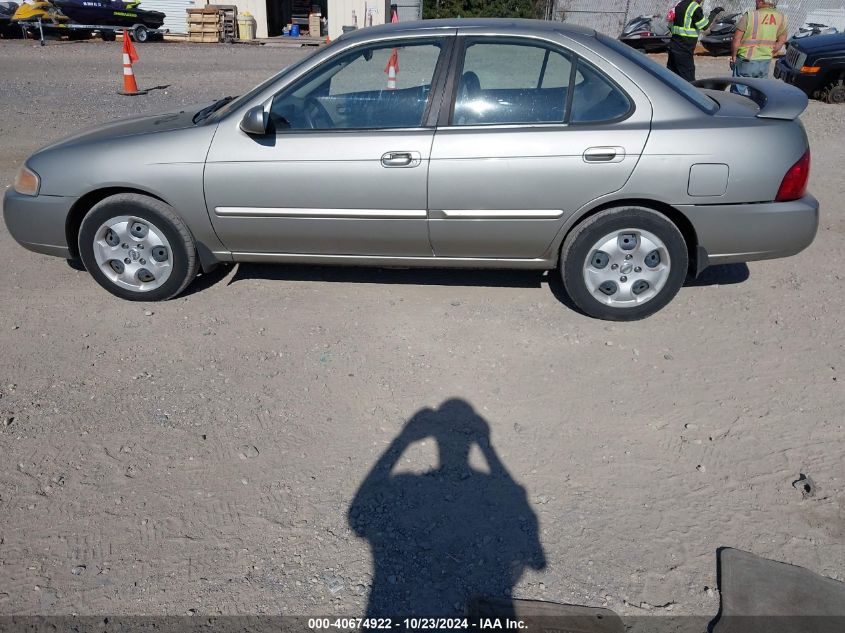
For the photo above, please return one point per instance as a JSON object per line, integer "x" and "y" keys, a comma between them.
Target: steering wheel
{"x": 316, "y": 116}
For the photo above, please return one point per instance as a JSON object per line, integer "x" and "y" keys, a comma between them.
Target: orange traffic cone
{"x": 391, "y": 77}
{"x": 391, "y": 69}
{"x": 393, "y": 63}
{"x": 130, "y": 87}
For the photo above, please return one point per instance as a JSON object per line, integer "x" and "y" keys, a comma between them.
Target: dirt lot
{"x": 203, "y": 455}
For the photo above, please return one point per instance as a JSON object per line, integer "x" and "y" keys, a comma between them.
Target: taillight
{"x": 794, "y": 183}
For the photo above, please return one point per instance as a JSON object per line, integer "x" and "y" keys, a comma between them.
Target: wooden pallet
{"x": 203, "y": 18}
{"x": 204, "y": 25}
{"x": 203, "y": 28}
{"x": 205, "y": 38}
{"x": 228, "y": 20}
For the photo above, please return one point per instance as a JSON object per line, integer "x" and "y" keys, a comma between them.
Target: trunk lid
{"x": 773, "y": 99}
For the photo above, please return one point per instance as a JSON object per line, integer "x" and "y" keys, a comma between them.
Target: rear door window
{"x": 682, "y": 86}
{"x": 515, "y": 82}
{"x": 594, "y": 97}
{"x": 504, "y": 83}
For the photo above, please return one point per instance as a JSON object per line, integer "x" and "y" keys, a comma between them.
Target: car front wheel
{"x": 623, "y": 264}
{"x": 137, "y": 248}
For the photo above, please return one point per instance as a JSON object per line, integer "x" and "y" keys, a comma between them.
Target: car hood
{"x": 134, "y": 126}
{"x": 816, "y": 44}
{"x": 137, "y": 153}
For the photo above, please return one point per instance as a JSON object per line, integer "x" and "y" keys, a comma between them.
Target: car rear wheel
{"x": 623, "y": 264}
{"x": 137, "y": 248}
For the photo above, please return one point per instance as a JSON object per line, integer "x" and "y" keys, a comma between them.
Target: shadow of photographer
{"x": 442, "y": 537}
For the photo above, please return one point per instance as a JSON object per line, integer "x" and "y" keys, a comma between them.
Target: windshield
{"x": 234, "y": 104}
{"x": 665, "y": 75}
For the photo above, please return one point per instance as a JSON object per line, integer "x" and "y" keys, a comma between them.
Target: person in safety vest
{"x": 759, "y": 35}
{"x": 688, "y": 23}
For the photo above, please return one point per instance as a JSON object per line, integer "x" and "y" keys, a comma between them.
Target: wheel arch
{"x": 85, "y": 203}
{"x": 833, "y": 74}
{"x": 697, "y": 255}
{"x": 834, "y": 78}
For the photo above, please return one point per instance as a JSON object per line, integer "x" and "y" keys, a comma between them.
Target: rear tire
{"x": 137, "y": 248}
{"x": 624, "y": 263}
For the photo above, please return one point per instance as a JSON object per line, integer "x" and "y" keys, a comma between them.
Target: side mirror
{"x": 255, "y": 121}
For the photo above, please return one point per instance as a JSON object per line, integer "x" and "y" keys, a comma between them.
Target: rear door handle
{"x": 400, "y": 159}
{"x": 604, "y": 154}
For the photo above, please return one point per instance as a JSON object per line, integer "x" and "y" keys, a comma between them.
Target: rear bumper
{"x": 734, "y": 233}
{"x": 804, "y": 82}
{"x": 38, "y": 222}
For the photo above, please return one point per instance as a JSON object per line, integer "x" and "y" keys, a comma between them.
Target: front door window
{"x": 382, "y": 86}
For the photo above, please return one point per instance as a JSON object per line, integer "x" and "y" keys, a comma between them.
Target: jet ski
{"x": 721, "y": 33}
{"x": 31, "y": 11}
{"x": 7, "y": 10}
{"x": 649, "y": 33}
{"x": 809, "y": 29}
{"x": 110, "y": 13}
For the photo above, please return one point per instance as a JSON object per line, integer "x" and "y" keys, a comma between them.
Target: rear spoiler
{"x": 776, "y": 99}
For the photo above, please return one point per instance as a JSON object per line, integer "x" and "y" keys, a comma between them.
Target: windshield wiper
{"x": 205, "y": 112}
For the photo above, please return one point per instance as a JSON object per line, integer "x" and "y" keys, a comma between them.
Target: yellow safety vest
{"x": 761, "y": 34}
{"x": 688, "y": 29}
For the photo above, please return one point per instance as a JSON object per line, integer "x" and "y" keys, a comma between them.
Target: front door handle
{"x": 604, "y": 154}
{"x": 400, "y": 159}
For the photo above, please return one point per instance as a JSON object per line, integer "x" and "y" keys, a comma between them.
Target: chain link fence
{"x": 610, "y": 16}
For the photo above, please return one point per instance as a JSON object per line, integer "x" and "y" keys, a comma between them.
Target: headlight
{"x": 27, "y": 182}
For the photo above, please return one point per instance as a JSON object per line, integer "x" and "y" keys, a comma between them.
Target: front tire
{"x": 137, "y": 248}
{"x": 624, "y": 263}
{"x": 835, "y": 92}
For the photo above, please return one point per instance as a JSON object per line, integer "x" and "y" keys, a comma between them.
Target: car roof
{"x": 495, "y": 24}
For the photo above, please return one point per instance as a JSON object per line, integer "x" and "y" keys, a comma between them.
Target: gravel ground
{"x": 202, "y": 455}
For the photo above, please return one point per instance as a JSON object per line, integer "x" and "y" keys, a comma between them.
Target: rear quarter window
{"x": 686, "y": 89}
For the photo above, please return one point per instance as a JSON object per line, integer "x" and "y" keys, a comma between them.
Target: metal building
{"x": 176, "y": 20}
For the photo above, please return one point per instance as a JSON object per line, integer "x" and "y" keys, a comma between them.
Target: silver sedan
{"x": 465, "y": 143}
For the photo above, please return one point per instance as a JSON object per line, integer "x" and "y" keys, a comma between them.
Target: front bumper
{"x": 38, "y": 222}
{"x": 807, "y": 83}
{"x": 734, "y": 233}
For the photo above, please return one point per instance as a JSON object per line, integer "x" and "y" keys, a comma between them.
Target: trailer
{"x": 138, "y": 32}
